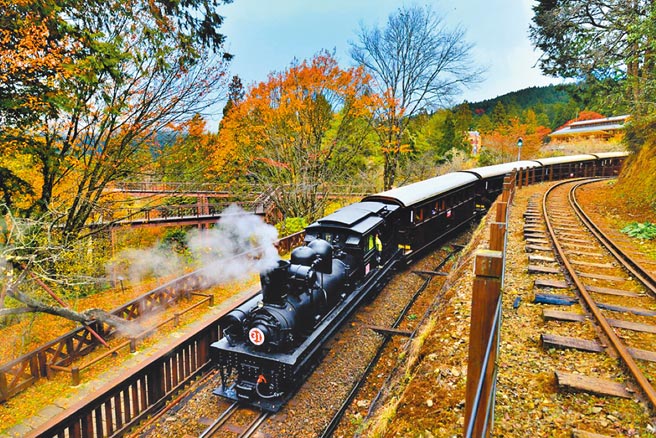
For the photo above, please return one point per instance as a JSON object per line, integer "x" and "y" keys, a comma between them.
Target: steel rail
{"x": 254, "y": 425}
{"x": 220, "y": 421}
{"x": 629, "y": 263}
{"x": 249, "y": 430}
{"x": 621, "y": 349}
{"x": 337, "y": 418}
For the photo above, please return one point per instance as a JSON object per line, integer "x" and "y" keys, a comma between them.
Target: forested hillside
{"x": 528, "y": 97}
{"x": 556, "y": 101}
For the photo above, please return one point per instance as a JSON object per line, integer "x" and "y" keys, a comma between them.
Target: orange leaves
{"x": 296, "y": 113}
{"x": 505, "y": 141}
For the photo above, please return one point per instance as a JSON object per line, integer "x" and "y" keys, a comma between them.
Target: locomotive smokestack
{"x": 274, "y": 283}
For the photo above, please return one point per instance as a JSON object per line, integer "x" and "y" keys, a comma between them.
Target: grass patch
{"x": 640, "y": 230}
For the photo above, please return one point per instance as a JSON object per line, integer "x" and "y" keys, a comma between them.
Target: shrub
{"x": 643, "y": 231}
{"x": 291, "y": 225}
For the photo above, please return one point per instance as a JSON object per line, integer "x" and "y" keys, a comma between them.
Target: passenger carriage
{"x": 491, "y": 180}
{"x": 432, "y": 209}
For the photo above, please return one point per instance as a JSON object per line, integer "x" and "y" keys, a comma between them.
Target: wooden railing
{"x": 112, "y": 410}
{"x": 486, "y": 314}
{"x": 163, "y": 213}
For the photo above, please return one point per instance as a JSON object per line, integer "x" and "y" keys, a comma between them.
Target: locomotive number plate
{"x": 256, "y": 336}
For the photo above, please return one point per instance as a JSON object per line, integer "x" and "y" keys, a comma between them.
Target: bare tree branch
{"x": 417, "y": 65}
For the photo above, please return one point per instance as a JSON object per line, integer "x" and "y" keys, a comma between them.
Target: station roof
{"x": 591, "y": 127}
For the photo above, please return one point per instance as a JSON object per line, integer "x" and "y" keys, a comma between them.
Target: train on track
{"x": 273, "y": 341}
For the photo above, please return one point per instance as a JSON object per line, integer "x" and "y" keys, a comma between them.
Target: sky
{"x": 266, "y": 35}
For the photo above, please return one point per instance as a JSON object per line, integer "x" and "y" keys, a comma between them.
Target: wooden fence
{"x": 486, "y": 314}
{"x": 112, "y": 410}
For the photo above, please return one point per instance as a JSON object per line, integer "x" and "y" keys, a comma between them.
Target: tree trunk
{"x": 87, "y": 317}
{"x": 389, "y": 176}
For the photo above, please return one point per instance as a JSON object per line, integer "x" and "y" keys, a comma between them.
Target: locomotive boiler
{"x": 296, "y": 295}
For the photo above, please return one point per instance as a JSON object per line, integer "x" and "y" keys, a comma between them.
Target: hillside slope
{"x": 637, "y": 183}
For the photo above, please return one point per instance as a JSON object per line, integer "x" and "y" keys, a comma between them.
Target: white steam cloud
{"x": 137, "y": 264}
{"x": 239, "y": 245}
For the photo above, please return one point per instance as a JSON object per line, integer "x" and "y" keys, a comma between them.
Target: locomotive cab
{"x": 361, "y": 234}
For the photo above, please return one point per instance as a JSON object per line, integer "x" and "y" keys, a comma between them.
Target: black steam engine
{"x": 295, "y": 296}
{"x": 273, "y": 341}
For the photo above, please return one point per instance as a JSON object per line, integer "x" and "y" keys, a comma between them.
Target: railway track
{"x": 348, "y": 403}
{"x": 235, "y": 421}
{"x": 616, "y": 293}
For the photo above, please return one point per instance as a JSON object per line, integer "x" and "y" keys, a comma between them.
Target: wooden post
{"x": 519, "y": 177}
{"x": 75, "y": 376}
{"x": 505, "y": 195}
{"x": 488, "y": 269}
{"x": 497, "y": 236}
{"x": 526, "y": 174}
{"x": 156, "y": 384}
{"x": 4, "y": 390}
{"x": 502, "y": 208}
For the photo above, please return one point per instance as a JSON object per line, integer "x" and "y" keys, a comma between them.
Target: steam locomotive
{"x": 273, "y": 341}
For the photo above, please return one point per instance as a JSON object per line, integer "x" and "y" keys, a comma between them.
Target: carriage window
{"x": 419, "y": 215}
{"x": 328, "y": 237}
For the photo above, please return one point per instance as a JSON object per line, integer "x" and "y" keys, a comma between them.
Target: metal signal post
{"x": 520, "y": 142}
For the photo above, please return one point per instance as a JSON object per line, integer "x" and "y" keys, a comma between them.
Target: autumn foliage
{"x": 303, "y": 126}
{"x": 503, "y": 140}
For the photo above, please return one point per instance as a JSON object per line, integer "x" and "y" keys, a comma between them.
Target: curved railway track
{"x": 608, "y": 283}
{"x": 635, "y": 266}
